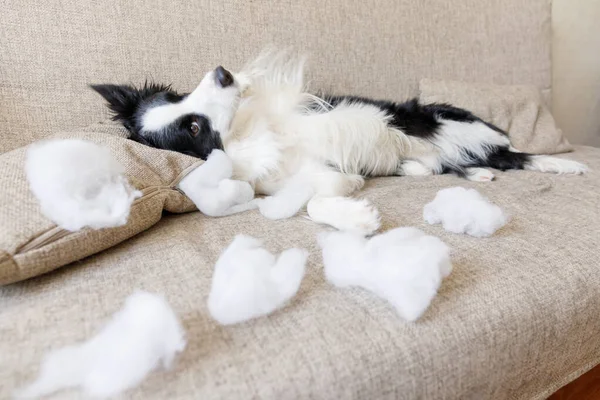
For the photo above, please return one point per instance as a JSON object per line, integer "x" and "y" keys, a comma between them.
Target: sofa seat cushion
{"x": 516, "y": 319}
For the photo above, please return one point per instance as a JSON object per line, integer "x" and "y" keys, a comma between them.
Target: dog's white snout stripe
{"x": 207, "y": 99}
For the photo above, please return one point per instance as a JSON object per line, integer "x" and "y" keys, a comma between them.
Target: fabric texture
{"x": 31, "y": 244}
{"x": 53, "y": 49}
{"x": 516, "y": 319}
{"x": 518, "y": 110}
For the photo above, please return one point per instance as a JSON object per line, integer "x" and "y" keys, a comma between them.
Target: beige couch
{"x": 518, "y": 317}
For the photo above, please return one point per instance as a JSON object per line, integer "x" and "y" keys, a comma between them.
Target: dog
{"x": 303, "y": 149}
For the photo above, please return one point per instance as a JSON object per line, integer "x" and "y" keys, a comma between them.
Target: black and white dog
{"x": 302, "y": 149}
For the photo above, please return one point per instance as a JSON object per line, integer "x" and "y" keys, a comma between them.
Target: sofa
{"x": 516, "y": 319}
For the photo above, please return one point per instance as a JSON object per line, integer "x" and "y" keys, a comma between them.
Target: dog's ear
{"x": 123, "y": 101}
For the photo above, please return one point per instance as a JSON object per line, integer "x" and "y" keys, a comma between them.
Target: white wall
{"x": 576, "y": 69}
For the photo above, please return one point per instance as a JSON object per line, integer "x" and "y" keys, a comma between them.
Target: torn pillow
{"x": 78, "y": 184}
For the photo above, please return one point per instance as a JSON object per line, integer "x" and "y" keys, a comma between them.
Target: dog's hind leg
{"x": 555, "y": 165}
{"x": 475, "y": 174}
{"x": 330, "y": 183}
{"x": 331, "y": 205}
{"x": 414, "y": 168}
{"x": 503, "y": 158}
{"x": 314, "y": 179}
{"x": 286, "y": 202}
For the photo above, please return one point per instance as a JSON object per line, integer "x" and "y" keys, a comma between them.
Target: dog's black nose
{"x": 223, "y": 76}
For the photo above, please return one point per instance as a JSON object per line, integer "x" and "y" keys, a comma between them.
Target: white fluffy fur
{"x": 403, "y": 266}
{"x": 276, "y": 142}
{"x": 142, "y": 335}
{"x": 462, "y": 210}
{"x": 455, "y": 136}
{"x": 555, "y": 165}
{"x": 211, "y": 190}
{"x": 209, "y": 99}
{"x": 479, "y": 174}
{"x": 79, "y": 183}
{"x": 414, "y": 168}
{"x": 249, "y": 282}
{"x": 279, "y": 134}
{"x": 355, "y": 137}
{"x": 287, "y": 201}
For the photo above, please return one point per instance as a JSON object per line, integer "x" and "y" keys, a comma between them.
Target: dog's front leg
{"x": 210, "y": 188}
{"x": 331, "y": 205}
{"x": 313, "y": 179}
{"x": 290, "y": 199}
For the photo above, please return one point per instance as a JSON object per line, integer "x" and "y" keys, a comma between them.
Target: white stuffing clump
{"x": 213, "y": 191}
{"x": 79, "y": 183}
{"x": 462, "y": 210}
{"x": 142, "y": 335}
{"x": 403, "y": 266}
{"x": 249, "y": 281}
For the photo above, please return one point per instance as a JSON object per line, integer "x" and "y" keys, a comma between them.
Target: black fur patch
{"x": 423, "y": 121}
{"x": 129, "y": 104}
{"x": 178, "y": 136}
{"x": 125, "y": 100}
{"x": 498, "y": 158}
{"x": 413, "y": 118}
{"x": 503, "y": 159}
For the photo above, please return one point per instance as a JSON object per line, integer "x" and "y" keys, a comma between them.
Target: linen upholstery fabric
{"x": 518, "y": 110}
{"x": 52, "y": 49}
{"x": 516, "y": 319}
{"x": 31, "y": 244}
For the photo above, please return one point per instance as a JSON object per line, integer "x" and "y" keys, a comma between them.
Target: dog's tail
{"x": 503, "y": 158}
{"x": 555, "y": 165}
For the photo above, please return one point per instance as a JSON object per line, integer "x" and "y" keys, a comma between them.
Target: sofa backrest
{"x": 50, "y": 50}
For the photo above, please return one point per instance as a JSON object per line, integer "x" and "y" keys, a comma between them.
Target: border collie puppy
{"x": 302, "y": 149}
{"x": 190, "y": 123}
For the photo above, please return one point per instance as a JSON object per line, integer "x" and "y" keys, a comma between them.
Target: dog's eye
{"x": 195, "y": 129}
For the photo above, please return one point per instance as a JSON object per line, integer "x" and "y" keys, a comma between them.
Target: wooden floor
{"x": 586, "y": 387}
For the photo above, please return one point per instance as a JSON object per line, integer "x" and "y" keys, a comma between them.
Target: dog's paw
{"x": 555, "y": 165}
{"x": 414, "y": 168}
{"x": 480, "y": 175}
{"x": 274, "y": 207}
{"x": 364, "y": 219}
{"x": 345, "y": 214}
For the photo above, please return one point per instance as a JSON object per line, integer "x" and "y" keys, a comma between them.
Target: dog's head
{"x": 157, "y": 116}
